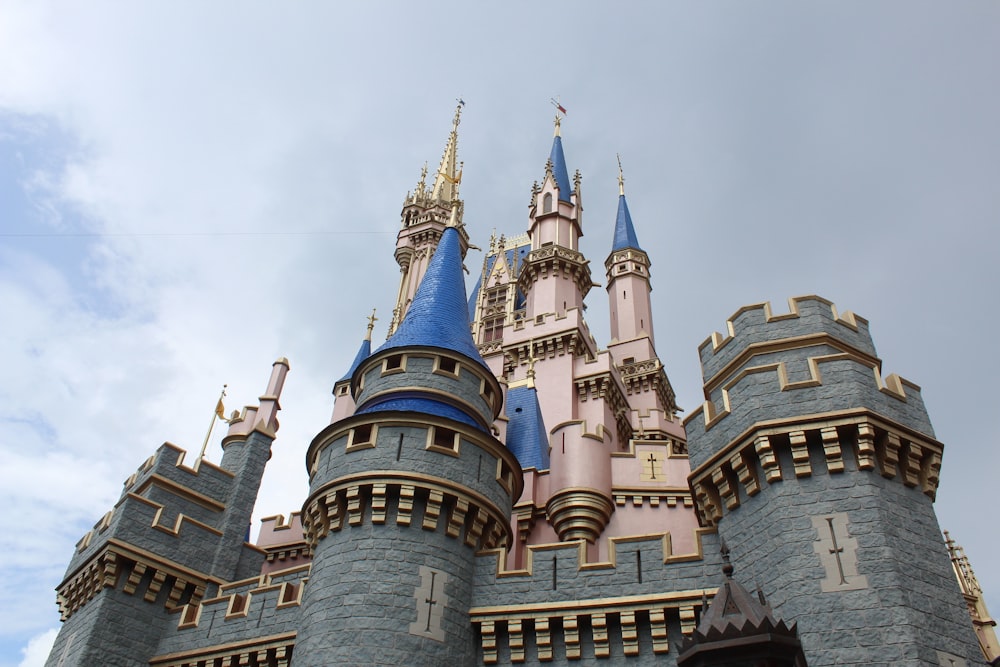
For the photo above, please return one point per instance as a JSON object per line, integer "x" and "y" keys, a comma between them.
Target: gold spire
{"x": 621, "y": 176}
{"x": 447, "y": 179}
{"x": 422, "y": 183}
{"x": 371, "y": 325}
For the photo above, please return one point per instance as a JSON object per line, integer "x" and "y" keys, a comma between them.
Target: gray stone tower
{"x": 405, "y": 491}
{"x": 176, "y": 534}
{"x": 821, "y": 477}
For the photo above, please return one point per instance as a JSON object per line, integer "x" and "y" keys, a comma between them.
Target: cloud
{"x": 37, "y": 651}
{"x": 225, "y": 189}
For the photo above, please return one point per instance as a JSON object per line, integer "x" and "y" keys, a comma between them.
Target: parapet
{"x": 562, "y": 607}
{"x": 811, "y": 363}
{"x": 756, "y": 325}
{"x": 786, "y": 392}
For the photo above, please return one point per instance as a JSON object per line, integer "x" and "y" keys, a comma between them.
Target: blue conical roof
{"x": 364, "y": 352}
{"x": 559, "y": 169}
{"x": 439, "y": 315}
{"x": 624, "y": 231}
{"x": 527, "y": 438}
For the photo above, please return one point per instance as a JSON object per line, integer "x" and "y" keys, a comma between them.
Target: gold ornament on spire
{"x": 371, "y": 325}
{"x": 560, "y": 112}
{"x": 621, "y": 175}
{"x": 447, "y": 179}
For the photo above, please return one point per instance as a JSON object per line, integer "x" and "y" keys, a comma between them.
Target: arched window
{"x": 547, "y": 203}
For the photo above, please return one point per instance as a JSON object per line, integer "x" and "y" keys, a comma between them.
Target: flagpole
{"x": 211, "y": 426}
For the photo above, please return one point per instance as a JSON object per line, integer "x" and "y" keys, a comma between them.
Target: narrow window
{"x": 444, "y": 440}
{"x": 547, "y": 203}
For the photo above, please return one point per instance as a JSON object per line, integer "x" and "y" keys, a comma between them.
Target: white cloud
{"x": 37, "y": 651}
{"x": 241, "y": 173}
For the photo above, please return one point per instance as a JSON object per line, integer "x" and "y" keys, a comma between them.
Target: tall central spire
{"x": 449, "y": 174}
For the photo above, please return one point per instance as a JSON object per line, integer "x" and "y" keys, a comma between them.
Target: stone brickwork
{"x": 176, "y": 534}
{"x": 399, "y": 503}
{"x": 563, "y": 610}
{"x": 821, "y": 480}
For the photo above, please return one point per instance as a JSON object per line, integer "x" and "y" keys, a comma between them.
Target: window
{"x": 393, "y": 364}
{"x": 361, "y": 437}
{"x": 447, "y": 365}
{"x": 547, "y": 203}
{"x": 496, "y": 296}
{"x": 493, "y": 329}
{"x": 444, "y": 441}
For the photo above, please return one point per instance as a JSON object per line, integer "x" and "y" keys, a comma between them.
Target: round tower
{"x": 821, "y": 476}
{"x": 404, "y": 492}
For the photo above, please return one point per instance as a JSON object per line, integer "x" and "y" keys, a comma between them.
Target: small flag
{"x": 220, "y": 410}
{"x": 556, "y": 104}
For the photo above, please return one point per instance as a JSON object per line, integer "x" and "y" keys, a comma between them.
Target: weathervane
{"x": 560, "y": 109}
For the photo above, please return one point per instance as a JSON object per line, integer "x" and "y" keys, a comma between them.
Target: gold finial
{"x": 621, "y": 175}
{"x": 371, "y": 325}
{"x": 558, "y": 122}
{"x": 422, "y": 184}
{"x": 446, "y": 181}
{"x": 560, "y": 112}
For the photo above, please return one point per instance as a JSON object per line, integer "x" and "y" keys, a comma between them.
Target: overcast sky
{"x": 190, "y": 190}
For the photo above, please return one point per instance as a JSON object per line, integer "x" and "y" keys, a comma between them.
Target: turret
{"x": 555, "y": 276}
{"x": 343, "y": 401}
{"x": 800, "y": 437}
{"x": 632, "y": 345}
{"x": 176, "y": 535}
{"x": 426, "y": 212}
{"x": 410, "y": 487}
{"x": 628, "y": 282}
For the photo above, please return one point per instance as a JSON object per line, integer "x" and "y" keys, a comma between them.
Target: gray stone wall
{"x": 114, "y": 629}
{"x": 908, "y": 605}
{"x": 366, "y": 592}
{"x": 854, "y": 557}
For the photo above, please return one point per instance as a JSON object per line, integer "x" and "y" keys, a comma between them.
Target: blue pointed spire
{"x": 527, "y": 438}
{"x": 559, "y": 172}
{"x": 624, "y": 231}
{"x": 364, "y": 352}
{"x": 439, "y": 315}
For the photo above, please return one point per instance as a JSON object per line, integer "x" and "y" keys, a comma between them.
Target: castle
{"x": 494, "y": 488}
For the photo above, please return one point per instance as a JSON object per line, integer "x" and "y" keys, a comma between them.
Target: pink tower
{"x": 595, "y": 430}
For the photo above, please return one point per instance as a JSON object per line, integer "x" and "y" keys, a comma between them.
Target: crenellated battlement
{"x": 820, "y": 383}
{"x": 756, "y": 324}
{"x": 249, "y": 598}
{"x": 567, "y": 607}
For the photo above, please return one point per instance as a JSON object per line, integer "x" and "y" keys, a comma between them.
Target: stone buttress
{"x": 821, "y": 476}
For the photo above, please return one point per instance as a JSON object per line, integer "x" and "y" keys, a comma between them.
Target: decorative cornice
{"x": 354, "y": 499}
{"x": 875, "y": 443}
{"x": 273, "y": 650}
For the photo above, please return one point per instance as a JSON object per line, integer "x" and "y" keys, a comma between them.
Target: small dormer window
{"x": 547, "y": 203}
{"x": 447, "y": 366}
{"x": 393, "y": 364}
{"x": 444, "y": 441}
{"x": 361, "y": 437}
